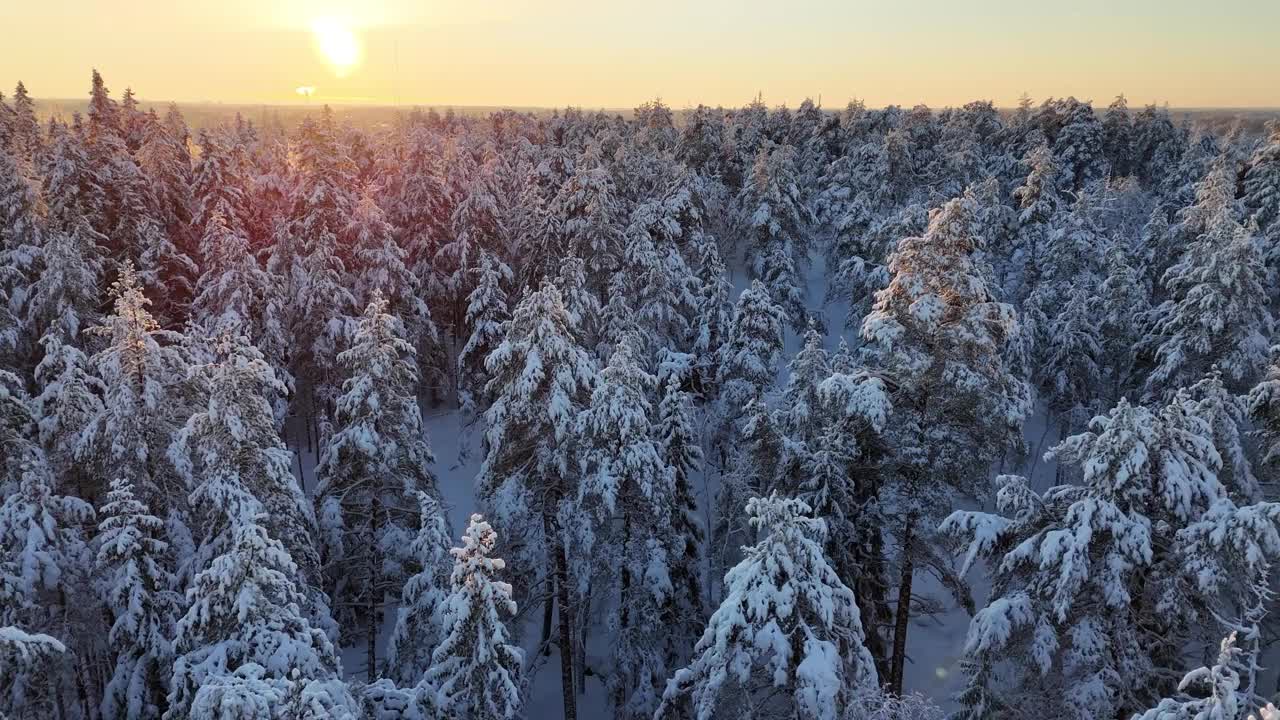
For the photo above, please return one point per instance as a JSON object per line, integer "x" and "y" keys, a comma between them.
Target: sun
{"x": 337, "y": 43}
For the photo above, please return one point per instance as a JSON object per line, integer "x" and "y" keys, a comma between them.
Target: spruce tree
{"x": 136, "y": 568}
{"x": 475, "y": 671}
{"x": 487, "y": 311}
{"x": 417, "y": 629}
{"x": 787, "y": 637}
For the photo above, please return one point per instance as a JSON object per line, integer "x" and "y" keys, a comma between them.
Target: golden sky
{"x": 601, "y": 53}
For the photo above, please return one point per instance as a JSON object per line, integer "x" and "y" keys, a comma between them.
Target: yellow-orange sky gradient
{"x": 616, "y": 54}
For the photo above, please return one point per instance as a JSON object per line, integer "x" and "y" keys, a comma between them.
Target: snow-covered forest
{"x": 811, "y": 413}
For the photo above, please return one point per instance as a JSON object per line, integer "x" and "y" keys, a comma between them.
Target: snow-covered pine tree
{"x": 377, "y": 456}
{"x": 244, "y": 609}
{"x": 165, "y": 160}
{"x": 417, "y": 630}
{"x": 135, "y": 566}
{"x": 487, "y": 310}
{"x": 752, "y": 348}
{"x": 1098, "y": 587}
{"x": 323, "y": 305}
{"x": 143, "y": 369}
{"x": 787, "y": 637}
{"x": 1217, "y": 313}
{"x": 628, "y": 491}
{"x": 229, "y": 446}
{"x": 1072, "y": 373}
{"x": 592, "y": 217}
{"x": 21, "y": 235}
{"x": 1117, "y": 137}
{"x": 774, "y": 217}
{"x": 712, "y": 319}
{"x": 1263, "y": 406}
{"x": 475, "y": 672}
{"x": 1125, "y": 300}
{"x": 941, "y": 337}
{"x": 682, "y": 451}
{"x": 1262, "y": 180}
{"x": 1071, "y": 259}
{"x": 540, "y": 379}
{"x": 234, "y": 293}
{"x": 586, "y": 315}
{"x": 654, "y": 278}
{"x": 70, "y": 399}
{"x": 1080, "y": 145}
{"x": 379, "y": 265}
{"x": 217, "y": 183}
{"x": 44, "y": 564}
{"x": 65, "y": 294}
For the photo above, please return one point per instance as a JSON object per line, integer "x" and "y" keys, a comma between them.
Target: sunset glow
{"x": 337, "y": 43}
{"x": 617, "y": 55}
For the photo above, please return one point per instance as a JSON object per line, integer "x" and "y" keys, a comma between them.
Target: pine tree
{"x": 776, "y": 220}
{"x": 166, "y": 162}
{"x": 656, "y": 280}
{"x": 417, "y": 628}
{"x": 1217, "y": 314}
{"x": 24, "y": 658}
{"x": 324, "y": 307}
{"x": 1088, "y": 579}
{"x": 629, "y": 493}
{"x": 749, "y": 356}
{"x": 1073, "y": 372}
{"x": 1117, "y": 137}
{"x": 244, "y": 609}
{"x": 939, "y": 333}
{"x": 1262, "y": 180}
{"x": 591, "y": 216}
{"x": 142, "y": 368}
{"x": 1038, "y": 200}
{"x": 217, "y": 186}
{"x": 487, "y": 311}
{"x": 229, "y": 453}
{"x": 376, "y": 456}
{"x": 69, "y": 400}
{"x": 42, "y": 567}
{"x": 713, "y": 315}
{"x": 475, "y": 672}
{"x": 540, "y": 379}
{"x": 135, "y": 565}
{"x": 682, "y": 452}
{"x": 787, "y": 636}
{"x": 1080, "y": 145}
{"x": 1125, "y": 301}
{"x": 234, "y": 294}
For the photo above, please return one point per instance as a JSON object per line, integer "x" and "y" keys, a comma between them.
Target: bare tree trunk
{"x": 903, "y": 615}
{"x": 583, "y": 625}
{"x": 566, "y": 633}
{"x": 371, "y": 631}
{"x": 548, "y": 612}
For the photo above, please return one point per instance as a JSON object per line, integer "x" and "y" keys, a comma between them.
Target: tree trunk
{"x": 583, "y": 625}
{"x": 372, "y": 620}
{"x": 548, "y": 612}
{"x": 566, "y": 633}
{"x": 903, "y": 615}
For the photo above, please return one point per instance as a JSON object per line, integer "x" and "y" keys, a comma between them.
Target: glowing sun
{"x": 338, "y": 45}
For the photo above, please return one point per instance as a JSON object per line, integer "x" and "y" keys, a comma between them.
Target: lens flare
{"x": 338, "y": 44}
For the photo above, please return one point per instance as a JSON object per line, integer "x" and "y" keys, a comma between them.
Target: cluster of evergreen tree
{"x": 186, "y": 320}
